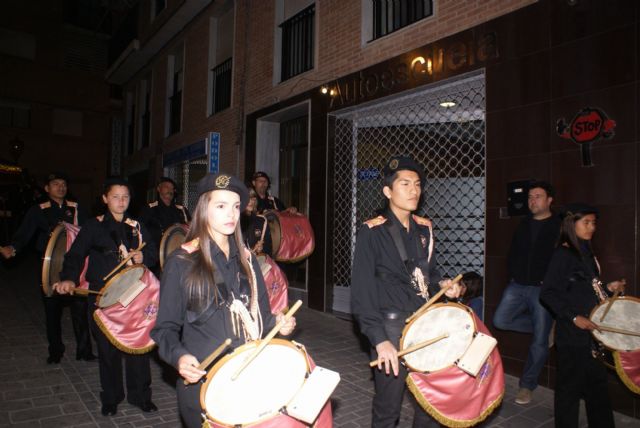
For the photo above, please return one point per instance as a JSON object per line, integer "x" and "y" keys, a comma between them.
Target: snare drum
{"x": 291, "y": 235}
{"x": 263, "y": 388}
{"x": 452, "y": 318}
{"x": 128, "y": 308}
{"x": 60, "y": 242}
{"x": 625, "y": 315}
{"x": 172, "y": 239}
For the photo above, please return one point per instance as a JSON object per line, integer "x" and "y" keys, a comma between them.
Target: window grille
{"x": 448, "y": 142}
{"x": 221, "y": 88}
{"x": 297, "y": 43}
{"x": 391, "y": 15}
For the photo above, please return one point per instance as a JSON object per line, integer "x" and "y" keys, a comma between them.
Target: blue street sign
{"x": 214, "y": 152}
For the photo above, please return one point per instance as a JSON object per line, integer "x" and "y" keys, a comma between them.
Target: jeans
{"x": 520, "y": 310}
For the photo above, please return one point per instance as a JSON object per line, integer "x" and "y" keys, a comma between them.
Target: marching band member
{"x": 394, "y": 273}
{"x": 571, "y": 289}
{"x": 253, "y": 225}
{"x": 108, "y": 239}
{"x": 212, "y": 289}
{"x": 40, "y": 220}
{"x": 266, "y": 201}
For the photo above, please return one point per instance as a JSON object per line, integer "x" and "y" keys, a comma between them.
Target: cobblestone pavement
{"x": 34, "y": 394}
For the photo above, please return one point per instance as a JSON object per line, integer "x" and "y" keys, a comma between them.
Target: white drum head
{"x": 119, "y": 284}
{"x": 625, "y": 315}
{"x": 265, "y": 386}
{"x": 439, "y": 319}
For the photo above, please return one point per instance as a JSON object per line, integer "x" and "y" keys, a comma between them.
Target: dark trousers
{"x": 189, "y": 403}
{"x": 138, "y": 372}
{"x": 581, "y": 376}
{"x": 53, "y": 307}
{"x": 389, "y": 389}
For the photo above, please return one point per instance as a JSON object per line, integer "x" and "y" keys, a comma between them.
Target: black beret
{"x": 579, "y": 208}
{"x": 262, "y": 174}
{"x": 403, "y": 163}
{"x": 56, "y": 176}
{"x": 167, "y": 180}
{"x": 116, "y": 181}
{"x": 224, "y": 181}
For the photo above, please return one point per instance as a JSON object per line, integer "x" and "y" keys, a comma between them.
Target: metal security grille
{"x": 186, "y": 175}
{"x": 447, "y": 141}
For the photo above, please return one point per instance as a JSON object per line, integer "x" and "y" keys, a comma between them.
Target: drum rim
{"x": 410, "y": 323}
{"x": 275, "y": 214}
{"x": 46, "y": 260}
{"x": 165, "y": 235}
{"x": 211, "y": 373}
{"x": 112, "y": 279}
{"x": 606, "y": 302}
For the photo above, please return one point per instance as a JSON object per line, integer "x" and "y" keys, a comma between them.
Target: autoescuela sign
{"x": 442, "y": 59}
{"x": 588, "y": 125}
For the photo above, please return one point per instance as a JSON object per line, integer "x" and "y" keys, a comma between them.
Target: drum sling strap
{"x": 203, "y": 317}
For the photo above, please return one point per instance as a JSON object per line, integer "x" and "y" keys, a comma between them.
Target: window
{"x": 175, "y": 81}
{"x": 130, "y": 121}
{"x": 221, "y": 86}
{"x": 157, "y": 6}
{"x": 145, "y": 112}
{"x": 297, "y": 43}
{"x": 221, "y": 32}
{"x": 391, "y": 15}
{"x": 13, "y": 115}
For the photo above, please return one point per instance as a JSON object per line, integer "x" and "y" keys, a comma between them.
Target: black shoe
{"x": 54, "y": 359}
{"x": 146, "y": 407}
{"x": 109, "y": 409}
{"x": 86, "y": 357}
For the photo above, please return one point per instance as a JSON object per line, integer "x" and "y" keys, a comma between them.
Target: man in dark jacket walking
{"x": 520, "y": 309}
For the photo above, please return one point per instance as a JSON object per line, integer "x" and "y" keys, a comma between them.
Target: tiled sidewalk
{"x": 34, "y": 394}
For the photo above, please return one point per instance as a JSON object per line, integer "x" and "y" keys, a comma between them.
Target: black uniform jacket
{"x": 252, "y": 232}
{"x": 158, "y": 217}
{"x": 381, "y": 281}
{"x": 42, "y": 218}
{"x": 100, "y": 239}
{"x": 567, "y": 291}
{"x": 527, "y": 260}
{"x": 181, "y": 329}
{"x": 269, "y": 203}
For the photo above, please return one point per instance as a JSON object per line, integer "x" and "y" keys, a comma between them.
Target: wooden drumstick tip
{"x": 205, "y": 363}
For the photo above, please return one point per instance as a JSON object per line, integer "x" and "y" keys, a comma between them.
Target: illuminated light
{"x": 447, "y": 104}
{"x": 333, "y": 92}
{"x": 324, "y": 90}
{"x": 427, "y": 65}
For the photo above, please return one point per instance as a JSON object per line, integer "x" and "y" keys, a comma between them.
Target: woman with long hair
{"x": 571, "y": 289}
{"x": 212, "y": 289}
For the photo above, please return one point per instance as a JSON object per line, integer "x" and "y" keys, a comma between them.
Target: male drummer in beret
{"x": 261, "y": 183}
{"x": 162, "y": 213}
{"x": 40, "y": 220}
{"x": 394, "y": 273}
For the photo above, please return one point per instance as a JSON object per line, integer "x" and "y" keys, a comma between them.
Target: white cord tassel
{"x": 240, "y": 316}
{"x": 422, "y": 285}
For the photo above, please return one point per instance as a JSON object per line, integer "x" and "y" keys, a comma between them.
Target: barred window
{"x": 391, "y": 15}
{"x": 297, "y": 43}
{"x": 221, "y": 86}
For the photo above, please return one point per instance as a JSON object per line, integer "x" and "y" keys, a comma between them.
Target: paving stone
{"x": 35, "y": 413}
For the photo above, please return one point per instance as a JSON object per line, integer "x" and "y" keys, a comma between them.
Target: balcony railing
{"x": 175, "y": 112}
{"x": 391, "y": 15}
{"x": 221, "y": 86}
{"x": 297, "y": 43}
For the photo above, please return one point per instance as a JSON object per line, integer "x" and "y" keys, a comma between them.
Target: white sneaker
{"x": 523, "y": 396}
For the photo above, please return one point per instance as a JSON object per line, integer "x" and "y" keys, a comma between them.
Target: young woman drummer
{"x": 108, "y": 239}
{"x": 571, "y": 289}
{"x": 212, "y": 289}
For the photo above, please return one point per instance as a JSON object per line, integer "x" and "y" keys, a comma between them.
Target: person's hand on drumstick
{"x": 388, "y": 356}
{"x": 257, "y": 249}
{"x": 188, "y": 368}
{"x": 585, "y": 323}
{"x": 454, "y": 288}
{"x": 136, "y": 256}
{"x": 617, "y": 286}
{"x": 288, "y": 327}
{"x": 7, "y": 252}
{"x": 64, "y": 287}
{"x": 292, "y": 210}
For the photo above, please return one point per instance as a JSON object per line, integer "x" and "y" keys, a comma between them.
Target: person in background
{"x": 254, "y": 226}
{"x": 571, "y": 289}
{"x": 261, "y": 184}
{"x": 471, "y": 293}
{"x": 40, "y": 220}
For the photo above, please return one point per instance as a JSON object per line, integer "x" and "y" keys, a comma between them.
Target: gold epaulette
{"x": 100, "y": 218}
{"x": 153, "y": 204}
{"x": 131, "y": 222}
{"x": 72, "y": 204}
{"x": 422, "y": 221}
{"x": 45, "y": 205}
{"x": 191, "y": 246}
{"x": 376, "y": 221}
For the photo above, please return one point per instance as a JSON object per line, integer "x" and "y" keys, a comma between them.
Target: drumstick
{"x": 433, "y": 299}
{"x": 617, "y": 330}
{"x": 611, "y": 300}
{"x": 414, "y": 348}
{"x": 125, "y": 260}
{"x": 264, "y": 342}
{"x": 204, "y": 364}
{"x": 85, "y": 291}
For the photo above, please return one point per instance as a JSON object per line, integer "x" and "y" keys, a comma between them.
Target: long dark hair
{"x": 200, "y": 280}
{"x": 568, "y": 237}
